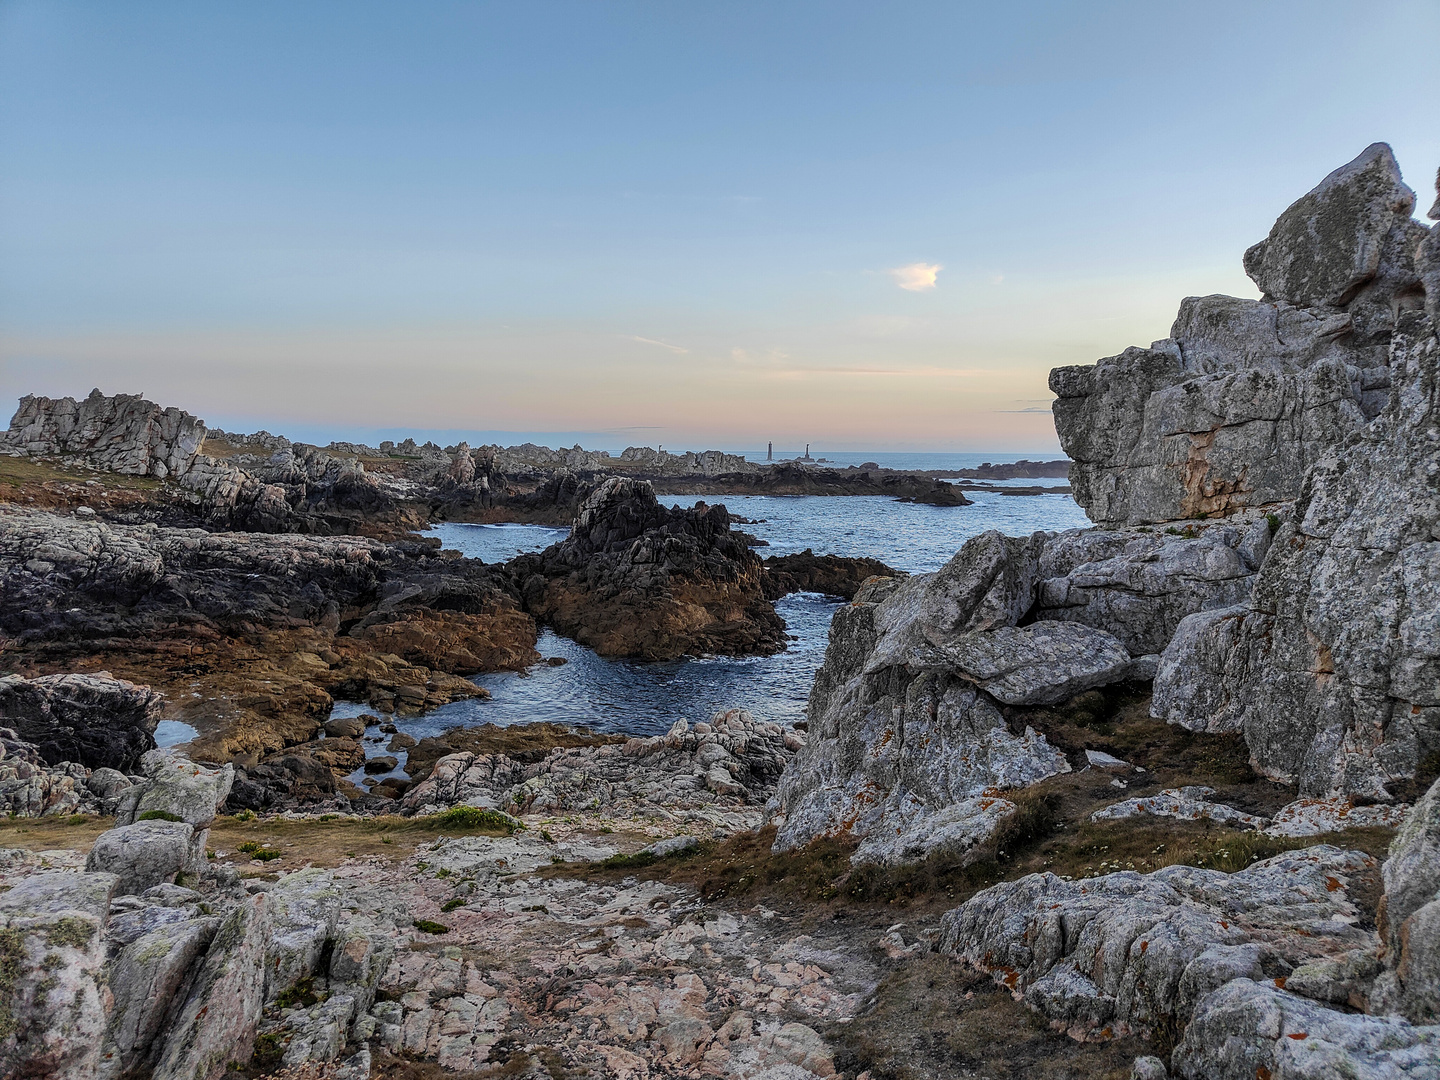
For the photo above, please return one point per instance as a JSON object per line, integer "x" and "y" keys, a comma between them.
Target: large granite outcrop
{"x": 123, "y": 434}
{"x": 1318, "y": 403}
{"x": 1245, "y": 396}
{"x": 910, "y": 750}
{"x": 1332, "y": 668}
{"x": 96, "y": 720}
{"x": 636, "y": 578}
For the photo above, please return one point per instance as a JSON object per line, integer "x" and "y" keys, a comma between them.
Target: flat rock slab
{"x": 1187, "y": 803}
{"x": 1314, "y": 817}
{"x": 1040, "y": 664}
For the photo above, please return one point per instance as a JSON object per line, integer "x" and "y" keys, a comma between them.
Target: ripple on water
{"x": 634, "y": 698}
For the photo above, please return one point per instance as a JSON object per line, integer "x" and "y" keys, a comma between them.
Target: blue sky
{"x": 862, "y": 226}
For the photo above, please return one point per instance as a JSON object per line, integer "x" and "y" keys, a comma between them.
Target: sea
{"x": 634, "y": 698}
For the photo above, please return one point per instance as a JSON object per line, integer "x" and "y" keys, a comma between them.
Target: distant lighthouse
{"x": 770, "y": 451}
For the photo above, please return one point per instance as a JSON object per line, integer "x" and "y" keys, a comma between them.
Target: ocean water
{"x": 636, "y": 698}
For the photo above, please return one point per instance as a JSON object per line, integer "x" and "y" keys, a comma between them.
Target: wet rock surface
{"x": 96, "y": 720}
{"x": 636, "y": 578}
{"x": 833, "y": 575}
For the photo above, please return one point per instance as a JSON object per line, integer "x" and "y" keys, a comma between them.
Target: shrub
{"x": 429, "y": 927}
{"x": 474, "y": 817}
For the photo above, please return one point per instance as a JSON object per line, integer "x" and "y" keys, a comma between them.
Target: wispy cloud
{"x": 1033, "y": 408}
{"x": 917, "y": 277}
{"x": 678, "y": 350}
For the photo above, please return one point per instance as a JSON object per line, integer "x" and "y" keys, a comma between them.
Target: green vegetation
{"x": 453, "y": 903}
{"x": 259, "y": 851}
{"x": 71, "y": 931}
{"x": 472, "y": 817}
{"x": 300, "y": 996}
{"x": 428, "y": 927}
{"x": 159, "y": 815}
{"x": 12, "y": 964}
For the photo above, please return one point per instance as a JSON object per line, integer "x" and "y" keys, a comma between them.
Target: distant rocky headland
{"x": 1155, "y": 798}
{"x": 266, "y": 483}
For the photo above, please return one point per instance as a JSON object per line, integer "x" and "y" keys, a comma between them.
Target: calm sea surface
{"x": 646, "y": 698}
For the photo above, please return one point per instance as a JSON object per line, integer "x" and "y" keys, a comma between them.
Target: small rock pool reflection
{"x": 636, "y": 698}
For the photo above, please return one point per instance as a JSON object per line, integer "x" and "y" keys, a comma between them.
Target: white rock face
{"x": 54, "y": 1009}
{"x": 124, "y": 433}
{"x": 177, "y": 787}
{"x": 1245, "y": 396}
{"x": 1186, "y": 803}
{"x": 1332, "y": 670}
{"x": 145, "y": 854}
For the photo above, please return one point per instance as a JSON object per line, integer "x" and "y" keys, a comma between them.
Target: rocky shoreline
{"x": 1156, "y": 798}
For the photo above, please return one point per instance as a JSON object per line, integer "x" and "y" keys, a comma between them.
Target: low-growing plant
{"x": 157, "y": 815}
{"x": 301, "y": 995}
{"x": 474, "y": 817}
{"x": 259, "y": 851}
{"x": 71, "y": 931}
{"x": 245, "y": 815}
{"x": 428, "y": 927}
{"x": 453, "y": 903}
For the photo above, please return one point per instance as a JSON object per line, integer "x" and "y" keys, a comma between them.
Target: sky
{"x": 862, "y": 226}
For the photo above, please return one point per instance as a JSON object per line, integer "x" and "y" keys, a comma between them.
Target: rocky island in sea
{"x": 1153, "y": 798}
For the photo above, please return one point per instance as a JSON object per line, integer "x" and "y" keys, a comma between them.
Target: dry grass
{"x": 933, "y": 1018}
{"x": 317, "y": 842}
{"x": 321, "y": 842}
{"x": 23, "y": 471}
{"x": 76, "y": 832}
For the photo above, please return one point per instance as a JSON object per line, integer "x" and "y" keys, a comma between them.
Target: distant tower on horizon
{"x": 807, "y": 451}
{"x": 770, "y": 451}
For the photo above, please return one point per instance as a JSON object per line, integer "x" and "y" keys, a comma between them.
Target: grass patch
{"x": 329, "y": 843}
{"x": 22, "y": 471}
{"x": 300, "y": 996}
{"x": 471, "y": 818}
{"x": 428, "y": 927}
{"x": 159, "y": 815}
{"x": 932, "y": 1017}
{"x": 77, "y": 933}
{"x": 257, "y": 850}
{"x": 453, "y": 903}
